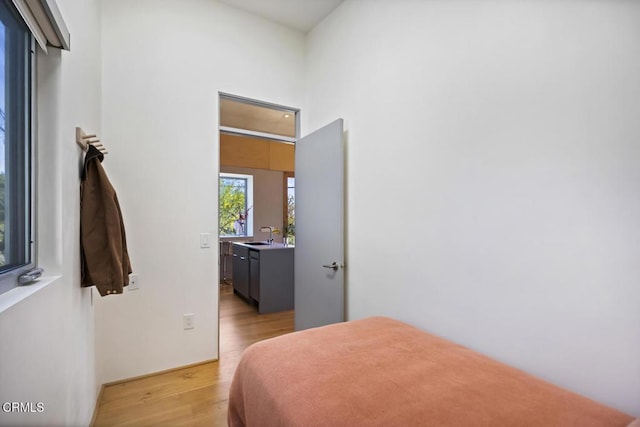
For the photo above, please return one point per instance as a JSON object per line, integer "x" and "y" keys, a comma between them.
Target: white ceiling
{"x": 301, "y": 15}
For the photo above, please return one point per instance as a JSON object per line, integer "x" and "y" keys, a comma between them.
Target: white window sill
{"x": 15, "y": 295}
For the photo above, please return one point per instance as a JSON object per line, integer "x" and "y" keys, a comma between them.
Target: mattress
{"x": 382, "y": 372}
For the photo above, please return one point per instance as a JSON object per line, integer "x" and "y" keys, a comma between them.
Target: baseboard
{"x": 153, "y": 374}
{"x": 96, "y": 407}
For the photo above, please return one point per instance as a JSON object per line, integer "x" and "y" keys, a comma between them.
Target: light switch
{"x": 189, "y": 321}
{"x": 205, "y": 240}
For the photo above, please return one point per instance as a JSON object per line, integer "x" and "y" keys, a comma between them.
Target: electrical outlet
{"x": 134, "y": 283}
{"x": 189, "y": 321}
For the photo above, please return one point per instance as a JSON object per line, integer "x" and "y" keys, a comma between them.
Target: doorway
{"x": 256, "y": 199}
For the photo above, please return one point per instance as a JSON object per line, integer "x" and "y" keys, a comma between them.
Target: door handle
{"x": 334, "y": 266}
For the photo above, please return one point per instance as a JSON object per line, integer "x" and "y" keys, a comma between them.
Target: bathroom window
{"x": 235, "y": 205}
{"x": 16, "y": 208}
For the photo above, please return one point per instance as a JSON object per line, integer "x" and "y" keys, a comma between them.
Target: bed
{"x": 382, "y": 372}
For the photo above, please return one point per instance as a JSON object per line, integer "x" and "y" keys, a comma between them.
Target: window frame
{"x": 247, "y": 131}
{"x": 285, "y": 203}
{"x": 9, "y": 277}
{"x": 248, "y": 203}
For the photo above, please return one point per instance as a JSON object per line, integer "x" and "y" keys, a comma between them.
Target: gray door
{"x": 319, "y": 252}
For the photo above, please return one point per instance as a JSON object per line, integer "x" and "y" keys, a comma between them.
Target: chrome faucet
{"x": 270, "y": 230}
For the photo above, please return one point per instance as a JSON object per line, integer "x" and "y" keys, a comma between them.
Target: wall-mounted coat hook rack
{"x": 84, "y": 140}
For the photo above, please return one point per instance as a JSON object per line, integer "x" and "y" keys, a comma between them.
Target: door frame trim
{"x": 225, "y": 95}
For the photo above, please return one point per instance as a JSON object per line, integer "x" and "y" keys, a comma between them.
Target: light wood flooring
{"x": 197, "y": 395}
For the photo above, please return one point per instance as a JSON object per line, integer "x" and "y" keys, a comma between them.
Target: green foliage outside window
{"x": 233, "y": 209}
{"x": 290, "y": 230}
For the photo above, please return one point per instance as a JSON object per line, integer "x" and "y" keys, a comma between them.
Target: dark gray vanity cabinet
{"x": 254, "y": 276}
{"x": 241, "y": 270}
{"x": 263, "y": 275}
{"x": 271, "y": 278}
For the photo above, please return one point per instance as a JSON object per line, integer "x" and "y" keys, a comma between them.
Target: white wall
{"x": 503, "y": 138}
{"x": 47, "y": 351}
{"x": 163, "y": 65}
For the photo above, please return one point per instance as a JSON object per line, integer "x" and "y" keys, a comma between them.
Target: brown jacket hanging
{"x": 105, "y": 261}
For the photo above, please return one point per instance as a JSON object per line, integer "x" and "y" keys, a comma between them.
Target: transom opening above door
{"x": 245, "y": 116}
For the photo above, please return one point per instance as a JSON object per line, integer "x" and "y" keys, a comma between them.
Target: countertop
{"x": 265, "y": 247}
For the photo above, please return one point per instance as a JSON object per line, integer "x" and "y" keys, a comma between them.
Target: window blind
{"x": 45, "y": 22}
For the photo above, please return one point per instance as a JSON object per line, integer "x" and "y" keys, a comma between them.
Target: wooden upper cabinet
{"x": 244, "y": 152}
{"x": 256, "y": 153}
{"x": 281, "y": 156}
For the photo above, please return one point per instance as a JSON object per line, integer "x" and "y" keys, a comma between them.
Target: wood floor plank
{"x": 197, "y": 395}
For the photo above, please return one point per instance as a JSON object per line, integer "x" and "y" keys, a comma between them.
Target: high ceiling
{"x": 301, "y": 15}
